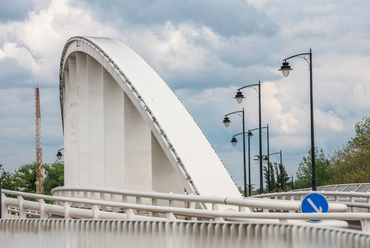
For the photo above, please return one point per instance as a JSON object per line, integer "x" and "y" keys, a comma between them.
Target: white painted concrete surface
{"x": 124, "y": 128}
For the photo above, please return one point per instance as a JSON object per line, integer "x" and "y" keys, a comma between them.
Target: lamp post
{"x": 239, "y": 98}
{"x": 285, "y": 69}
{"x": 227, "y": 122}
{"x": 234, "y": 141}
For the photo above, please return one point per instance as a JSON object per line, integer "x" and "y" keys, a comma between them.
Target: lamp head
{"x": 59, "y": 155}
{"x": 234, "y": 141}
{"x": 226, "y": 121}
{"x": 239, "y": 96}
{"x": 250, "y": 134}
{"x": 285, "y": 68}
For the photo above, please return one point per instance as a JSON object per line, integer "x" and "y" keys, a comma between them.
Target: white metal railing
{"x": 87, "y": 208}
{"x": 187, "y": 201}
{"x": 356, "y": 201}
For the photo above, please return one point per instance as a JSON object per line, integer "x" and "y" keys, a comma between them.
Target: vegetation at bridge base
{"x": 54, "y": 177}
{"x": 304, "y": 172}
{"x": 24, "y": 178}
{"x": 279, "y": 178}
{"x": 349, "y": 164}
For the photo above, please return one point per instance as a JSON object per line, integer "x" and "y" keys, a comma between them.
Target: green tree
{"x": 24, "y": 178}
{"x": 351, "y": 163}
{"x": 278, "y": 174}
{"x": 273, "y": 183}
{"x": 322, "y": 169}
{"x": 4, "y": 177}
{"x": 54, "y": 177}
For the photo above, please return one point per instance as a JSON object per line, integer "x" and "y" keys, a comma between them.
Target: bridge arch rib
{"x": 124, "y": 127}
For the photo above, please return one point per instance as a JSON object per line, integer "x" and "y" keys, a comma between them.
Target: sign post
{"x": 314, "y": 203}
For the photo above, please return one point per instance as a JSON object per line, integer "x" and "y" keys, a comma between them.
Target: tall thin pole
{"x": 281, "y": 169}
{"x": 249, "y": 165}
{"x": 260, "y": 138}
{"x": 268, "y": 159}
{"x": 312, "y": 129}
{"x": 244, "y": 167}
{"x": 1, "y": 202}
{"x": 39, "y": 174}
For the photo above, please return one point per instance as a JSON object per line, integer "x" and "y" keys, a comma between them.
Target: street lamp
{"x": 59, "y": 154}
{"x": 285, "y": 69}
{"x": 239, "y": 98}
{"x": 234, "y": 141}
{"x": 226, "y": 122}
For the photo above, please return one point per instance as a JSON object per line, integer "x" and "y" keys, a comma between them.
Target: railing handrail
{"x": 326, "y": 193}
{"x": 196, "y": 212}
{"x": 240, "y": 202}
{"x": 143, "y": 194}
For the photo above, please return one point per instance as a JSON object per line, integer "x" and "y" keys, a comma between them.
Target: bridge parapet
{"x": 72, "y": 205}
{"x": 129, "y": 233}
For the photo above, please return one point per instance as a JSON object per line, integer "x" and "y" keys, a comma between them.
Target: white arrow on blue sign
{"x": 314, "y": 203}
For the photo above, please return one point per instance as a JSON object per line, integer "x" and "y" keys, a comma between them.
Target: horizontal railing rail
{"x": 90, "y": 208}
{"x": 215, "y": 202}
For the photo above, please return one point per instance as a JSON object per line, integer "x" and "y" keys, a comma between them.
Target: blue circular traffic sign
{"x": 314, "y": 203}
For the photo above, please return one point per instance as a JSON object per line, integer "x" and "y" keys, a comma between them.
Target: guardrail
{"x": 88, "y": 208}
{"x": 187, "y": 201}
{"x": 356, "y": 201}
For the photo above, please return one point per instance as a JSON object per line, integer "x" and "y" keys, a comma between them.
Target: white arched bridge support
{"x": 124, "y": 128}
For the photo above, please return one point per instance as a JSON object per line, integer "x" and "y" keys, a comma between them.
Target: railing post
{"x": 95, "y": 211}
{"x": 365, "y": 225}
{"x": 43, "y": 214}
{"x": 22, "y": 211}
{"x": 4, "y": 207}
{"x": 67, "y": 214}
{"x": 192, "y": 206}
{"x": 86, "y": 195}
{"x": 113, "y": 198}
{"x": 130, "y": 215}
{"x": 171, "y": 217}
{"x": 155, "y": 203}
{"x": 138, "y": 201}
{"x": 352, "y": 199}
{"x": 102, "y": 197}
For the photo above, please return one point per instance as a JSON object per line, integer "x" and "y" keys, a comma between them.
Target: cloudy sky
{"x": 204, "y": 50}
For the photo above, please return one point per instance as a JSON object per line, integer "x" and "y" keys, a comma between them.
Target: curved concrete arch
{"x": 125, "y": 128}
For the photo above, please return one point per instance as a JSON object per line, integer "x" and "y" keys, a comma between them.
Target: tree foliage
{"x": 54, "y": 177}
{"x": 351, "y": 164}
{"x": 278, "y": 174}
{"x": 4, "y": 177}
{"x": 322, "y": 169}
{"x": 24, "y": 178}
